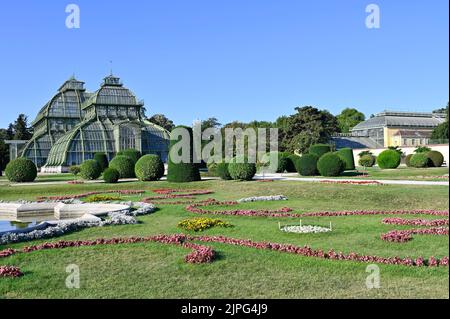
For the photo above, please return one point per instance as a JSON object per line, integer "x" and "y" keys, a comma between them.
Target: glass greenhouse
{"x": 75, "y": 125}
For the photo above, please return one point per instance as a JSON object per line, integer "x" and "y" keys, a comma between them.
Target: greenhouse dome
{"x": 58, "y": 116}
{"x": 75, "y": 125}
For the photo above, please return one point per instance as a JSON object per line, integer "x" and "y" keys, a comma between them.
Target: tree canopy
{"x": 349, "y": 118}
{"x": 163, "y": 121}
{"x": 306, "y": 127}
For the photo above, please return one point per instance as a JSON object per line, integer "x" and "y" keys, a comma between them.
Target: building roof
{"x": 112, "y": 92}
{"x": 66, "y": 103}
{"x": 402, "y": 119}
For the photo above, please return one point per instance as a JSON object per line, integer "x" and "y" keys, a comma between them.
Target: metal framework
{"x": 75, "y": 125}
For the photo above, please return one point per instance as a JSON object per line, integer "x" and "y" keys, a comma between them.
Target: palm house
{"x": 75, "y": 124}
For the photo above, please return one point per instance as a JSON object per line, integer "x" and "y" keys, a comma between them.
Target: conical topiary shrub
{"x": 346, "y": 155}
{"x": 182, "y": 172}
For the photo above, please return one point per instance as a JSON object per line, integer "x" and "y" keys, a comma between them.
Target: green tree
{"x": 163, "y": 121}
{"x": 306, "y": 127}
{"x": 4, "y": 153}
{"x": 21, "y": 129}
{"x": 349, "y": 118}
{"x": 441, "y": 131}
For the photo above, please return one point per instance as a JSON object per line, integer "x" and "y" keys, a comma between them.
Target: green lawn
{"x": 400, "y": 173}
{"x": 153, "y": 270}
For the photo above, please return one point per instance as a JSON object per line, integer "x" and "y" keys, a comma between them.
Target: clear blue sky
{"x": 234, "y": 59}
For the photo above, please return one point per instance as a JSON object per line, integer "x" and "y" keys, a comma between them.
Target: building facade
{"x": 75, "y": 124}
{"x": 399, "y": 128}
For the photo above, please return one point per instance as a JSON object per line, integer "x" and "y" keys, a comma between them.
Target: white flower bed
{"x": 262, "y": 198}
{"x": 306, "y": 229}
{"x": 59, "y": 228}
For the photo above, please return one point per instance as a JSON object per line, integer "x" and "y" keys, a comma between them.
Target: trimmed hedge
{"x": 111, "y": 175}
{"x": 135, "y": 155}
{"x": 408, "y": 160}
{"x": 307, "y": 165}
{"x": 222, "y": 171}
{"x": 389, "y": 159}
{"x": 182, "y": 172}
{"x": 346, "y": 155}
{"x": 124, "y": 165}
{"x": 436, "y": 158}
{"x": 242, "y": 171}
{"x": 21, "y": 170}
{"x": 285, "y": 162}
{"x": 74, "y": 169}
{"x": 90, "y": 170}
{"x": 102, "y": 159}
{"x": 419, "y": 160}
{"x": 330, "y": 164}
{"x": 367, "y": 160}
{"x": 149, "y": 168}
{"x": 319, "y": 149}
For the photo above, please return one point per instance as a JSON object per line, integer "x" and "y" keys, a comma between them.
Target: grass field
{"x": 153, "y": 270}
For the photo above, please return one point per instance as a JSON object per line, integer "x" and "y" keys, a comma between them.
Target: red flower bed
{"x": 331, "y": 254}
{"x": 327, "y": 181}
{"x": 170, "y": 193}
{"x": 78, "y": 196}
{"x": 401, "y": 236}
{"x": 199, "y": 254}
{"x": 415, "y": 222}
{"x": 10, "y": 271}
{"x": 285, "y": 211}
{"x": 75, "y": 182}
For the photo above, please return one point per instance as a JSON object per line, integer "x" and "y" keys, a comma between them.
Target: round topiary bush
{"x": 102, "y": 159}
{"x": 149, "y": 168}
{"x": 285, "y": 163}
{"x": 21, "y": 170}
{"x": 419, "y": 160}
{"x": 124, "y": 165}
{"x": 408, "y": 160}
{"x": 330, "y": 164}
{"x": 436, "y": 158}
{"x": 74, "y": 169}
{"x": 319, "y": 149}
{"x": 182, "y": 172}
{"x": 111, "y": 175}
{"x": 389, "y": 159}
{"x": 222, "y": 171}
{"x": 367, "y": 161}
{"x": 294, "y": 159}
{"x": 346, "y": 155}
{"x": 240, "y": 169}
{"x": 90, "y": 170}
{"x": 135, "y": 155}
{"x": 307, "y": 165}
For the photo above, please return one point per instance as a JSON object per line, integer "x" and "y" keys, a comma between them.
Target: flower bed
{"x": 204, "y": 254}
{"x": 304, "y": 229}
{"x": 75, "y": 182}
{"x": 200, "y": 253}
{"x": 416, "y": 222}
{"x": 201, "y": 223}
{"x": 168, "y": 193}
{"x": 78, "y": 196}
{"x": 262, "y": 198}
{"x": 402, "y": 236}
{"x": 10, "y": 271}
{"x": 331, "y": 254}
{"x": 329, "y": 181}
